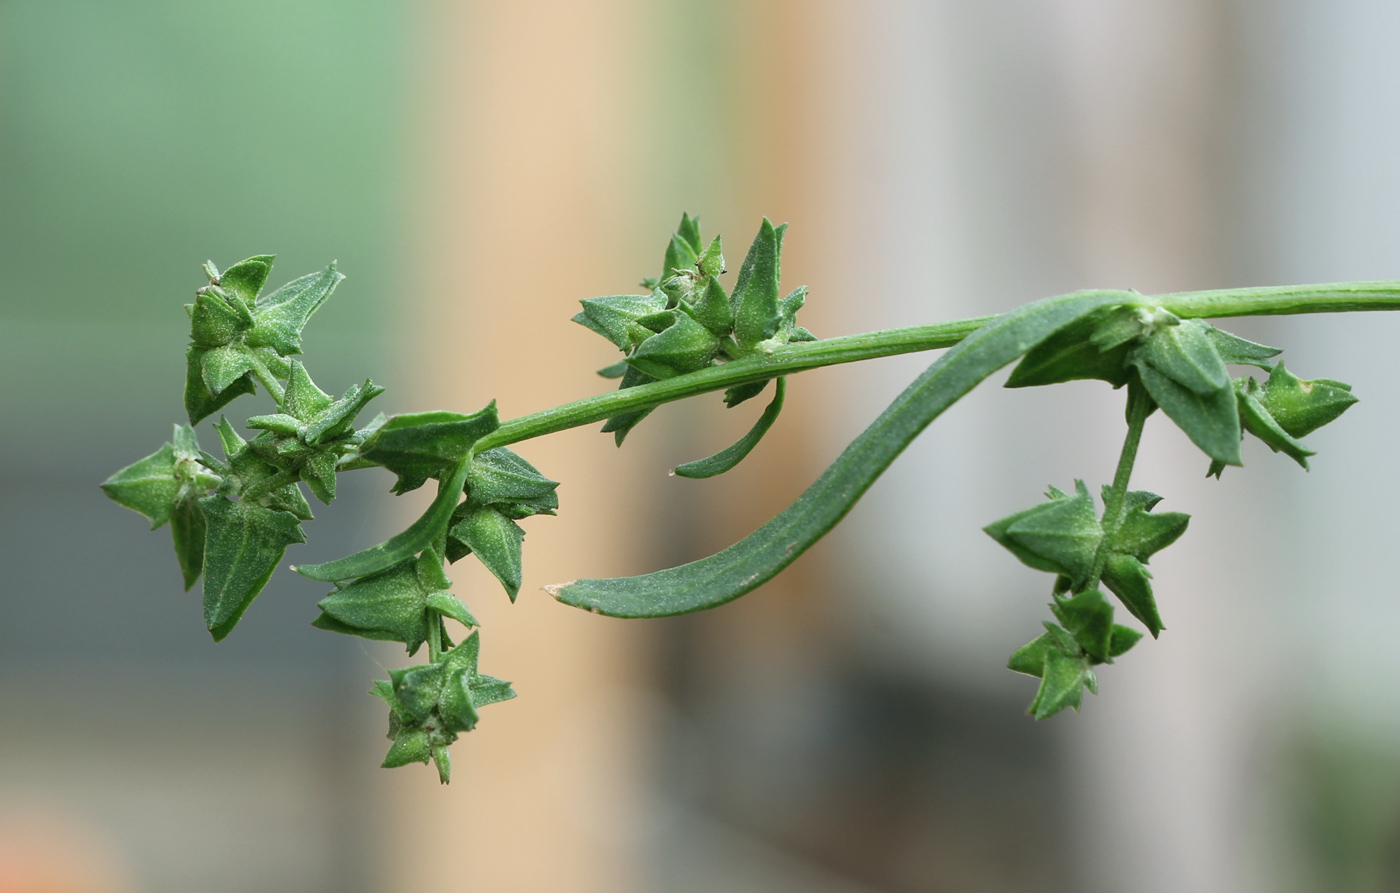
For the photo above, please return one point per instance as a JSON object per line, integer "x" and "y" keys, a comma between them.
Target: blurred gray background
{"x": 478, "y": 168}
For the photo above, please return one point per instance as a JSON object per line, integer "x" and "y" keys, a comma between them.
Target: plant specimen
{"x": 232, "y": 518}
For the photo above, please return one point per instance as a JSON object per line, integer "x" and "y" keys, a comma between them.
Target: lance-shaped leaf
{"x": 689, "y": 231}
{"x": 731, "y": 456}
{"x": 1060, "y": 536}
{"x": 501, "y": 476}
{"x": 497, "y": 541}
{"x": 422, "y": 445}
{"x": 1073, "y": 354}
{"x": 1186, "y": 354}
{"x": 616, "y": 370}
{"x": 615, "y": 317}
{"x": 755, "y": 296}
{"x": 1237, "y": 351}
{"x": 244, "y": 543}
{"x": 278, "y": 318}
{"x": 1301, "y": 407}
{"x": 1128, "y": 579}
{"x": 419, "y": 536}
{"x": 754, "y": 560}
{"x": 1211, "y": 420}
{"x": 339, "y": 418}
{"x": 685, "y": 346}
{"x": 188, "y": 532}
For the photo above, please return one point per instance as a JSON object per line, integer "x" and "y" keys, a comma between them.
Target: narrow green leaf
{"x": 615, "y": 317}
{"x": 496, "y": 540}
{"x": 1187, "y": 355}
{"x": 754, "y": 560}
{"x": 448, "y": 605}
{"x": 415, "y": 539}
{"x": 731, "y": 456}
{"x": 1212, "y": 420}
{"x": 278, "y": 318}
{"x": 338, "y": 419}
{"x": 616, "y": 370}
{"x": 689, "y": 231}
{"x": 243, "y": 544}
{"x": 1126, "y": 577}
{"x": 187, "y": 531}
{"x": 1071, "y": 355}
{"x": 418, "y": 446}
{"x": 755, "y": 297}
{"x": 1235, "y": 350}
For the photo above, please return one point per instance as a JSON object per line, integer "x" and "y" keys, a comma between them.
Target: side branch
{"x": 800, "y": 357}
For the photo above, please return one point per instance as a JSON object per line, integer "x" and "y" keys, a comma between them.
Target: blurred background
{"x": 477, "y": 168}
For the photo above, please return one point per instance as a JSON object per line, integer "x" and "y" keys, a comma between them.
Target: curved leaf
{"x": 754, "y": 560}
{"x": 727, "y": 458}
{"x": 415, "y": 539}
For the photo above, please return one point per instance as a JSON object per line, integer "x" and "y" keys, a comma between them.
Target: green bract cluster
{"x": 233, "y": 518}
{"x": 688, "y": 323}
{"x": 1178, "y": 366}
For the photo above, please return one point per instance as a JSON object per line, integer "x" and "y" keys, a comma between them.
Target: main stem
{"x": 793, "y": 358}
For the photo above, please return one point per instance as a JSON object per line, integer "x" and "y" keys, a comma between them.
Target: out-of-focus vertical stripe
{"x": 527, "y": 179}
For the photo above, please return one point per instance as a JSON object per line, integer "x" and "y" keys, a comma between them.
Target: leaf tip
{"x": 555, "y": 589}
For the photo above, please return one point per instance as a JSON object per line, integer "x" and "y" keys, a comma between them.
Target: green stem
{"x": 434, "y": 637}
{"x": 793, "y": 358}
{"x": 269, "y": 381}
{"x": 1140, "y": 406}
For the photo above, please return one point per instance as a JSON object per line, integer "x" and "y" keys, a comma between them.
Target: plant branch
{"x": 1140, "y": 406}
{"x": 802, "y": 356}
